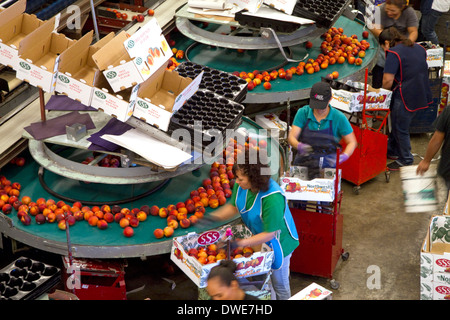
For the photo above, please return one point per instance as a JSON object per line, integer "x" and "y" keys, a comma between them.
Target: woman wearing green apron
{"x": 263, "y": 208}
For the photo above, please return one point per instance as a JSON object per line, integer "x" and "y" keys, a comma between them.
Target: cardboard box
{"x": 259, "y": 262}
{"x": 435, "y": 57}
{"x": 435, "y": 261}
{"x": 163, "y": 94}
{"x": 313, "y": 292}
{"x": 15, "y": 25}
{"x": 126, "y": 61}
{"x": 39, "y": 56}
{"x": 376, "y": 99}
{"x": 119, "y": 105}
{"x": 319, "y": 189}
{"x": 272, "y": 124}
{"x": 77, "y": 69}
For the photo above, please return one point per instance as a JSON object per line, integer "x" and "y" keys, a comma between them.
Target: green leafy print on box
{"x": 440, "y": 230}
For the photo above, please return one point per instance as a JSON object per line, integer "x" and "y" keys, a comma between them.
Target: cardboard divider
{"x": 15, "y": 25}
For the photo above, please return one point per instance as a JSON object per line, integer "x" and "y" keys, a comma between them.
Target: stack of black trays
{"x": 27, "y": 279}
{"x": 210, "y": 114}
{"x": 324, "y": 13}
{"x": 259, "y": 22}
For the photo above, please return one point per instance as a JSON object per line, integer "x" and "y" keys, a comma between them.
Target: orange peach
{"x": 26, "y": 200}
{"x": 193, "y": 219}
{"x": 109, "y": 217}
{"x": 163, "y": 213}
{"x": 185, "y": 223}
{"x": 158, "y": 233}
{"x": 102, "y": 224}
{"x": 124, "y": 222}
{"x": 168, "y": 231}
{"x": 93, "y": 221}
{"x": 128, "y": 232}
{"x": 134, "y": 222}
{"x": 173, "y": 223}
{"x": 62, "y": 225}
{"x": 51, "y": 217}
{"x": 141, "y": 216}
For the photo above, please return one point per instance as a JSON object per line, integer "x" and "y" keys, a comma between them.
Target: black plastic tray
{"x": 27, "y": 279}
{"x": 324, "y": 13}
{"x": 219, "y": 82}
{"x": 214, "y": 113}
{"x": 259, "y": 22}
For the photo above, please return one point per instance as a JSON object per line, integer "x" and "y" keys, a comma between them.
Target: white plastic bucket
{"x": 420, "y": 192}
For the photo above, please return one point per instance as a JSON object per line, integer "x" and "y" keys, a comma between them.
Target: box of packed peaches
{"x": 196, "y": 254}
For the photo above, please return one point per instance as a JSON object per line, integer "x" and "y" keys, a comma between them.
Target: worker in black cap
{"x": 318, "y": 129}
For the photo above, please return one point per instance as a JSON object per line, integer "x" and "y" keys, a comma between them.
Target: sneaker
{"x": 391, "y": 157}
{"x": 394, "y": 166}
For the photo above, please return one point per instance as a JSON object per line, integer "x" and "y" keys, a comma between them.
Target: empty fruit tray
{"x": 323, "y": 13}
{"x": 27, "y": 279}
{"x": 219, "y": 82}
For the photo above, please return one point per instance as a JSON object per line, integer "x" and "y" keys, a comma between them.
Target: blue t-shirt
{"x": 341, "y": 126}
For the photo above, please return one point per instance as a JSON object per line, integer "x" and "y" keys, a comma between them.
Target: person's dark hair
{"x": 393, "y": 36}
{"x": 252, "y": 163}
{"x": 401, "y": 4}
{"x": 224, "y": 271}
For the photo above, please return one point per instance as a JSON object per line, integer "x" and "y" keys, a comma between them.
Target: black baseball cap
{"x": 320, "y": 95}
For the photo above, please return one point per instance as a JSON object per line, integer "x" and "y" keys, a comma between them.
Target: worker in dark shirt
{"x": 406, "y": 74}
{"x": 440, "y": 138}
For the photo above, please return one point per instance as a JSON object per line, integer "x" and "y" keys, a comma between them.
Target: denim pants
{"x": 428, "y": 23}
{"x": 280, "y": 281}
{"x": 399, "y": 143}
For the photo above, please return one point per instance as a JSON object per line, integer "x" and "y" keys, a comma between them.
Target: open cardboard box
{"x": 39, "y": 56}
{"x": 162, "y": 94}
{"x": 435, "y": 262}
{"x": 376, "y": 99}
{"x": 260, "y": 262}
{"x": 119, "y": 105}
{"x": 77, "y": 69}
{"x": 319, "y": 189}
{"x": 15, "y": 25}
{"x": 130, "y": 60}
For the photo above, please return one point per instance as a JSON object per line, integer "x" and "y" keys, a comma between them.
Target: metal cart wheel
{"x": 387, "y": 174}
{"x": 334, "y": 284}
{"x": 356, "y": 189}
{"x": 345, "y": 256}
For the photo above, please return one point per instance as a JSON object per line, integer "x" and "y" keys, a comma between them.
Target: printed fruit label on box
{"x": 187, "y": 253}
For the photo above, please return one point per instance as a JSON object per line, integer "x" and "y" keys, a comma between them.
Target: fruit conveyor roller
{"x": 91, "y": 242}
{"x": 215, "y": 45}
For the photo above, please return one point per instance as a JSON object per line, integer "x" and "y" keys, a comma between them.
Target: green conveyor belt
{"x": 230, "y": 60}
{"x": 81, "y": 233}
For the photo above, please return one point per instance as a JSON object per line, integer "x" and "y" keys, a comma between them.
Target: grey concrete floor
{"x": 382, "y": 240}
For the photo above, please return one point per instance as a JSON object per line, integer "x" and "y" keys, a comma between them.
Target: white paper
{"x": 208, "y": 4}
{"x": 153, "y": 150}
{"x": 269, "y": 13}
{"x": 222, "y": 13}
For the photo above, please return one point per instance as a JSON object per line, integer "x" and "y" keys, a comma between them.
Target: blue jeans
{"x": 399, "y": 143}
{"x": 280, "y": 280}
{"x": 428, "y": 24}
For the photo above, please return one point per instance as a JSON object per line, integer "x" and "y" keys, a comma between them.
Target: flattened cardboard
{"x": 77, "y": 69}
{"x": 15, "y": 25}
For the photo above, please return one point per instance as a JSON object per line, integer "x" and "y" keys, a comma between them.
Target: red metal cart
{"x": 320, "y": 228}
{"x": 369, "y": 158}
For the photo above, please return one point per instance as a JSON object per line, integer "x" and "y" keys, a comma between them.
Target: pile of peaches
{"x": 213, "y": 193}
{"x": 211, "y": 253}
{"x": 336, "y": 48}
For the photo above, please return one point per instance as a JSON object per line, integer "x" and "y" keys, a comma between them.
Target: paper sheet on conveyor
{"x": 155, "y": 151}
